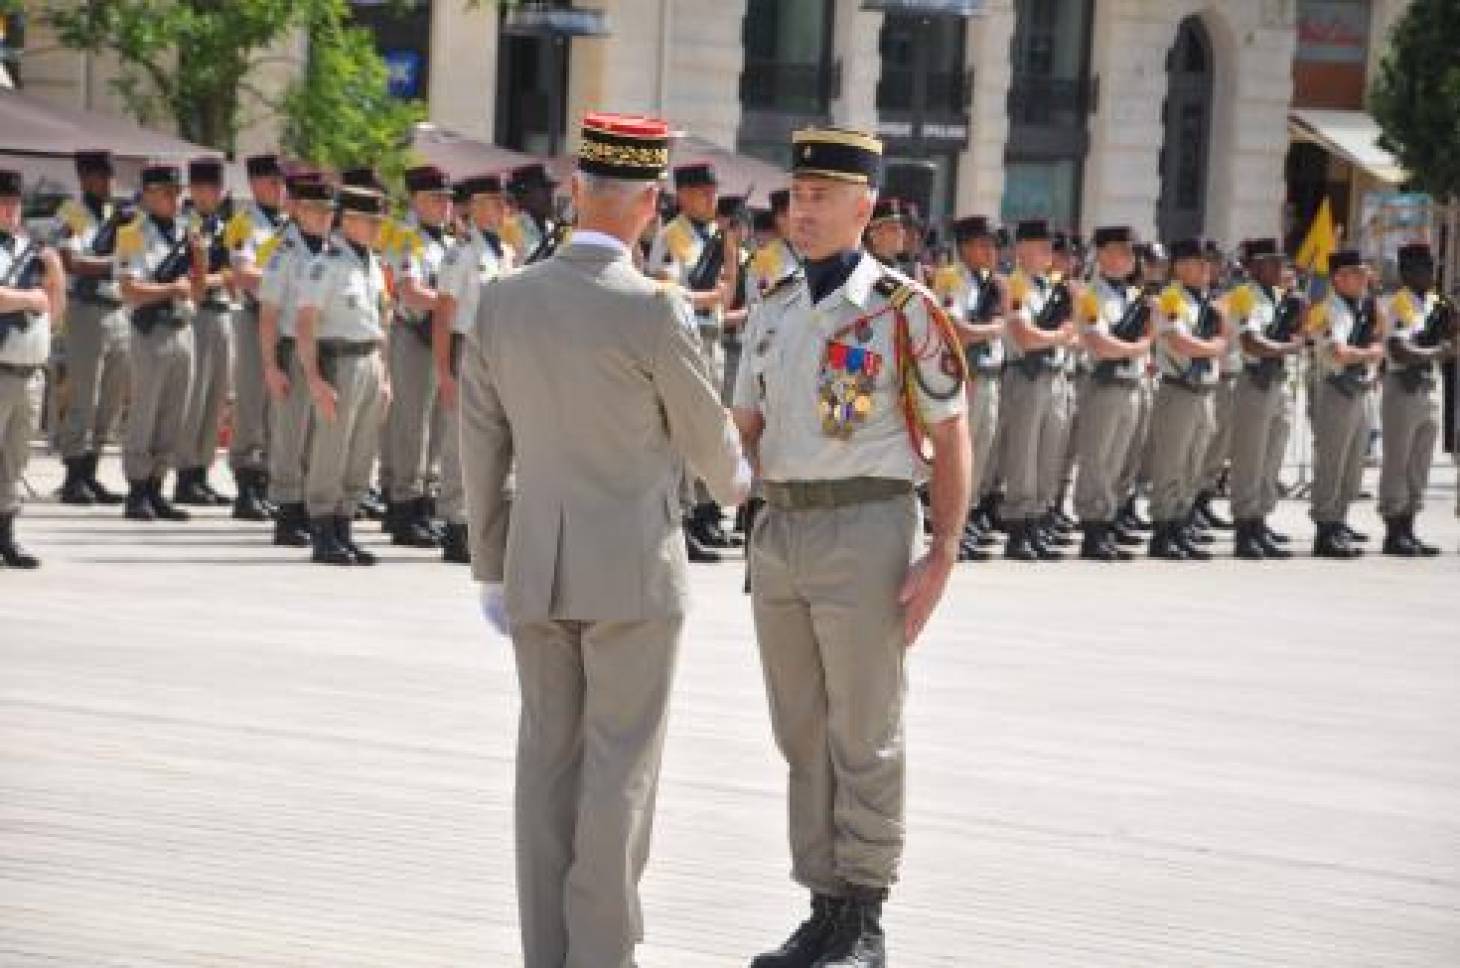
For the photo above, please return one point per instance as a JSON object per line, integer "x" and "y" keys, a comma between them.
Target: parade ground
{"x": 215, "y": 754}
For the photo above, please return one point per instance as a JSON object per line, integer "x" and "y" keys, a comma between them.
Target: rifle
{"x": 1352, "y": 380}
{"x": 1282, "y": 329}
{"x": 176, "y": 264}
{"x": 1207, "y": 321}
{"x": 705, "y": 274}
{"x": 24, "y": 273}
{"x": 1128, "y": 329}
{"x": 1440, "y": 326}
{"x": 104, "y": 244}
{"x": 990, "y": 299}
{"x": 550, "y": 243}
{"x": 1056, "y": 310}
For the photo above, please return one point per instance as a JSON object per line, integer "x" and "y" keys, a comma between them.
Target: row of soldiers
{"x": 1156, "y": 367}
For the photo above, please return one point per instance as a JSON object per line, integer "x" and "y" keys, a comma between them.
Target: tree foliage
{"x": 1416, "y": 95}
{"x": 194, "y": 61}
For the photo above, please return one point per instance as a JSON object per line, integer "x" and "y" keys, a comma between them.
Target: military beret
{"x": 360, "y": 177}
{"x": 93, "y": 162}
{"x": 1416, "y": 253}
{"x": 730, "y": 206}
{"x": 205, "y": 171}
{"x": 1032, "y": 230}
{"x": 1113, "y": 234}
{"x": 361, "y": 201}
{"x": 781, "y": 200}
{"x": 1186, "y": 249}
{"x": 972, "y": 227}
{"x": 763, "y": 221}
{"x": 690, "y": 176}
{"x": 263, "y": 166}
{"x": 10, "y": 184}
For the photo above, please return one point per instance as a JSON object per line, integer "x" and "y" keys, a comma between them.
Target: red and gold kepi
{"x": 839, "y": 153}
{"x": 627, "y": 146}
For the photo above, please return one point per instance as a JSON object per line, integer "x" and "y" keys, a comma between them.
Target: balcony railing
{"x": 1037, "y": 99}
{"x": 946, "y": 95}
{"x": 789, "y": 88}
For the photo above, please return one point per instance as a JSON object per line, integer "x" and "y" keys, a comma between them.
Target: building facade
{"x": 1171, "y": 115}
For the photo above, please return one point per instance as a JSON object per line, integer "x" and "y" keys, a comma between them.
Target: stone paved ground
{"x": 213, "y": 754}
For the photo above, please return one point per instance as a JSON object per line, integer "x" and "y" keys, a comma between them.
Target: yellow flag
{"x": 1320, "y": 242}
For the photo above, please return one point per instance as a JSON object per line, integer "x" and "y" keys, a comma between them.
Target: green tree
{"x": 1416, "y": 95}
{"x": 194, "y": 61}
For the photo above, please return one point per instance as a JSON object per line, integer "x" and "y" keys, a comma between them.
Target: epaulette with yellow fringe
{"x": 238, "y": 229}
{"x": 1171, "y": 301}
{"x": 1088, "y": 306}
{"x": 129, "y": 239}
{"x": 679, "y": 241}
{"x": 784, "y": 283}
{"x": 74, "y": 216}
{"x": 1241, "y": 302}
{"x": 947, "y": 280}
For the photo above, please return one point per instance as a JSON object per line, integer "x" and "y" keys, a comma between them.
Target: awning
{"x": 39, "y": 138}
{"x": 1352, "y": 136}
{"x": 461, "y": 156}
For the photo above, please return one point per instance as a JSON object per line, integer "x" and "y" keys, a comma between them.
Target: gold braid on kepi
{"x": 837, "y": 153}
{"x": 625, "y": 146}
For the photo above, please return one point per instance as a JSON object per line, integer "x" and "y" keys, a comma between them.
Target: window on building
{"x": 1049, "y": 100}
{"x": 403, "y": 39}
{"x": 922, "y": 66}
{"x": 787, "y": 56}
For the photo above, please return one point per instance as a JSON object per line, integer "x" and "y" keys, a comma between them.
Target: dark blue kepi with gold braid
{"x": 837, "y": 153}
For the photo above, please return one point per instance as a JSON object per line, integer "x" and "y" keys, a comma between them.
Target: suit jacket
{"x": 585, "y": 377}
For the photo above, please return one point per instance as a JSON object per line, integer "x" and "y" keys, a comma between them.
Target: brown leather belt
{"x": 812, "y": 495}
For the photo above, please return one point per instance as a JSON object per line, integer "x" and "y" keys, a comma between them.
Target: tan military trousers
{"x": 1411, "y": 421}
{"x": 1219, "y": 447}
{"x": 212, "y": 372}
{"x": 1135, "y": 468}
{"x": 1181, "y": 426}
{"x": 1108, "y": 416}
{"x": 249, "y": 449}
{"x": 1027, "y": 403}
{"x": 97, "y": 375}
{"x": 1262, "y": 419}
{"x": 1340, "y": 433}
{"x": 452, "y": 502}
{"x": 983, "y": 423}
{"x": 1054, "y": 440}
{"x": 824, "y": 586}
{"x": 595, "y": 707}
{"x": 291, "y": 432}
{"x": 19, "y": 402}
{"x": 405, "y": 448}
{"x": 343, "y": 450}
{"x": 162, "y": 374}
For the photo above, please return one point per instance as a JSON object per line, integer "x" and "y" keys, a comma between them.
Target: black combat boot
{"x": 1397, "y": 541}
{"x": 190, "y": 489}
{"x": 408, "y": 529}
{"x": 455, "y": 549}
{"x": 1352, "y": 536}
{"x": 291, "y": 526}
{"x": 698, "y": 553}
{"x": 248, "y": 505}
{"x": 74, "y": 489}
{"x": 372, "y": 505}
{"x": 1208, "y": 514}
{"x": 219, "y": 500}
{"x": 807, "y": 943}
{"x": 326, "y": 544}
{"x": 1131, "y": 519}
{"x": 1425, "y": 550}
{"x": 1331, "y": 542}
{"x": 160, "y": 506}
{"x": 1019, "y": 547}
{"x": 1096, "y": 546}
{"x": 1163, "y": 543}
{"x": 1191, "y": 538}
{"x": 139, "y": 502}
{"x": 1054, "y": 532}
{"x": 1044, "y": 544}
{"x": 1248, "y": 545}
{"x": 1271, "y": 542}
{"x": 12, "y": 555}
{"x": 100, "y": 491}
{"x": 857, "y": 940}
{"x": 345, "y": 538}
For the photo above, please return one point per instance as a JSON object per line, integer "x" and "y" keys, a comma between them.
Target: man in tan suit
{"x": 585, "y": 378}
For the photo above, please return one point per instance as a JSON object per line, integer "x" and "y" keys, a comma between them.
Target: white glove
{"x": 744, "y": 480}
{"x": 494, "y": 606}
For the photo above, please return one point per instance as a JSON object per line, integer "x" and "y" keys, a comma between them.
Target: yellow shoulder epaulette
{"x": 511, "y": 234}
{"x": 766, "y": 261}
{"x": 1018, "y": 286}
{"x": 947, "y": 280}
{"x": 1317, "y": 317}
{"x": 1241, "y": 301}
{"x": 677, "y": 239}
{"x": 784, "y": 283}
{"x": 1089, "y": 306}
{"x": 1172, "y": 301}
{"x": 1403, "y": 306}
{"x": 270, "y": 245}
{"x": 74, "y": 216}
{"x": 129, "y": 238}
{"x": 239, "y": 228}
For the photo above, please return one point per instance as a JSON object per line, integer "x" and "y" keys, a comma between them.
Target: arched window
{"x": 1181, "y": 211}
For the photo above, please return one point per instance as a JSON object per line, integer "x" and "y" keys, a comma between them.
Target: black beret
{"x": 427, "y": 178}
{"x": 781, "y": 200}
{"x": 361, "y": 177}
{"x": 529, "y": 176}
{"x": 972, "y": 227}
{"x": 1260, "y": 249}
{"x": 730, "y": 206}
{"x": 1112, "y": 234}
{"x": 10, "y": 184}
{"x": 1345, "y": 259}
{"x": 1032, "y": 230}
{"x": 689, "y": 176}
{"x": 361, "y": 201}
{"x": 763, "y": 221}
{"x": 93, "y": 162}
{"x": 161, "y": 175}
{"x": 205, "y": 171}
{"x": 264, "y": 166}
{"x": 1416, "y": 253}
{"x": 1186, "y": 249}
{"x": 480, "y": 185}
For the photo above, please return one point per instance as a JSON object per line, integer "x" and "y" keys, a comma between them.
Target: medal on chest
{"x": 844, "y": 389}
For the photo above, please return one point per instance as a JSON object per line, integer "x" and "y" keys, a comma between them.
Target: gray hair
{"x": 604, "y": 188}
